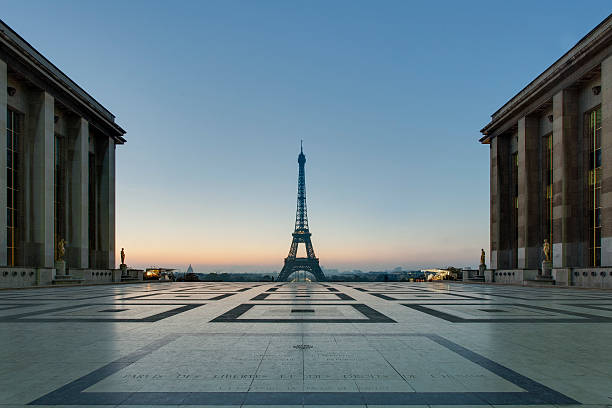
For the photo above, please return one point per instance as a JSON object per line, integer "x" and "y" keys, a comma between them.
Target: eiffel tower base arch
{"x": 301, "y": 264}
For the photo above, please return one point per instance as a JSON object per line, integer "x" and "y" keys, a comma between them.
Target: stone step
{"x": 539, "y": 282}
{"x": 66, "y": 280}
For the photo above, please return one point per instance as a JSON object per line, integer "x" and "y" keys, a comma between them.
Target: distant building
{"x": 156, "y": 273}
{"x": 59, "y": 182}
{"x": 551, "y": 170}
{"x": 436, "y": 274}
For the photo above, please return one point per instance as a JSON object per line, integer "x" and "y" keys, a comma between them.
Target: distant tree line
{"x": 225, "y": 277}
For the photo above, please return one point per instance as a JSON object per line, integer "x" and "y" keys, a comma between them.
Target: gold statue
{"x": 122, "y": 257}
{"x": 61, "y": 249}
{"x": 482, "y": 256}
{"x": 546, "y": 250}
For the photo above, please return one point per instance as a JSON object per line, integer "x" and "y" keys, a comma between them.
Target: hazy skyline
{"x": 387, "y": 96}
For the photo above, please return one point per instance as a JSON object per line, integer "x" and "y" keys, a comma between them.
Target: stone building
{"x": 59, "y": 177}
{"x": 551, "y": 170}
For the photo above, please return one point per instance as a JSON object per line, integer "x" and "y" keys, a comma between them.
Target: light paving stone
{"x": 490, "y": 346}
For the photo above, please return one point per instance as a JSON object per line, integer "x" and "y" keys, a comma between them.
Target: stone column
{"x": 528, "y": 193}
{"x": 606, "y": 157}
{"x": 78, "y": 247}
{"x": 107, "y": 216}
{"x": 495, "y": 205}
{"x": 3, "y": 147}
{"x": 40, "y": 126}
{"x": 567, "y": 211}
{"x": 503, "y": 202}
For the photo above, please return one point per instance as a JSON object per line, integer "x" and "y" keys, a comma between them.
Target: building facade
{"x": 551, "y": 170}
{"x": 59, "y": 182}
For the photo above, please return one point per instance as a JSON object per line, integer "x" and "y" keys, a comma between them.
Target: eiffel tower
{"x": 301, "y": 234}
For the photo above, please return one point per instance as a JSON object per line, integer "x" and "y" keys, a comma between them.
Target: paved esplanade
{"x": 294, "y": 344}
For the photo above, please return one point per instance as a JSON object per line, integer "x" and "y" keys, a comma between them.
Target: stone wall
{"x": 25, "y": 277}
{"x": 514, "y": 276}
{"x": 32, "y": 277}
{"x": 592, "y": 277}
{"x": 93, "y": 275}
{"x": 468, "y": 274}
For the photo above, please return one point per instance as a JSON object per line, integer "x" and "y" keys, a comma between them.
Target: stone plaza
{"x": 305, "y": 344}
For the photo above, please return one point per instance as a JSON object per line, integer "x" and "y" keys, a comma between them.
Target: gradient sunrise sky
{"x": 388, "y": 97}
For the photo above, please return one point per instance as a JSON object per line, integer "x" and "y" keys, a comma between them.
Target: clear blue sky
{"x": 388, "y": 96}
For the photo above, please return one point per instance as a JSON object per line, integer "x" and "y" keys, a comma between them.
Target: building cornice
{"x": 594, "y": 42}
{"x": 30, "y": 57}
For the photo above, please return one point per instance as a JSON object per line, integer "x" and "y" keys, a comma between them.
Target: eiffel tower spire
{"x": 301, "y": 214}
{"x": 301, "y": 234}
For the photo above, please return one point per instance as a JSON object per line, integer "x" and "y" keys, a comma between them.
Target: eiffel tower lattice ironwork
{"x": 301, "y": 234}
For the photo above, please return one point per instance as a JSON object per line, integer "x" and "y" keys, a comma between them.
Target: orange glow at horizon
{"x": 272, "y": 256}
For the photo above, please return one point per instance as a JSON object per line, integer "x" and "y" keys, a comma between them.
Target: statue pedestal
{"x": 60, "y": 268}
{"x": 481, "y": 269}
{"x": 61, "y": 277}
{"x": 123, "y": 268}
{"x": 546, "y": 271}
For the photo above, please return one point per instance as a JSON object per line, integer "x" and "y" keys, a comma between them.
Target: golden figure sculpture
{"x": 482, "y": 256}
{"x": 61, "y": 249}
{"x": 122, "y": 256}
{"x": 546, "y": 250}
